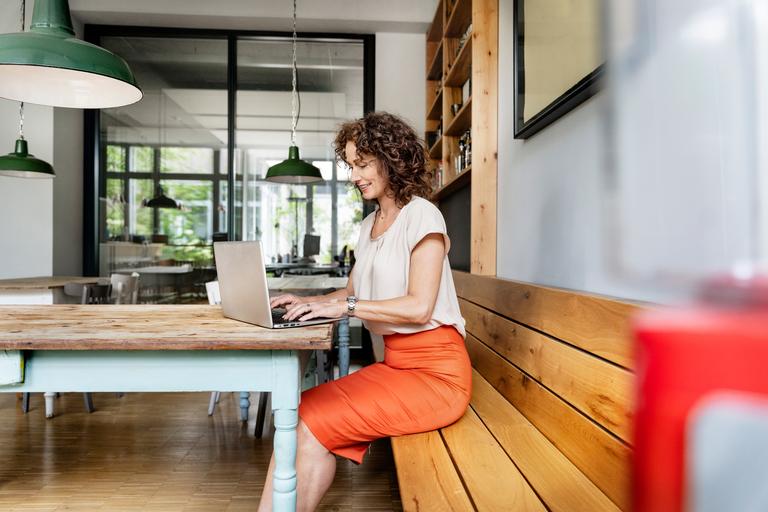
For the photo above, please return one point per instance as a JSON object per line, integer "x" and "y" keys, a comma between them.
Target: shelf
{"x": 436, "y": 67}
{"x": 462, "y": 121}
{"x": 436, "y": 28}
{"x": 460, "y": 18}
{"x": 436, "y": 151}
{"x": 452, "y": 186}
{"x": 461, "y": 67}
{"x": 436, "y": 110}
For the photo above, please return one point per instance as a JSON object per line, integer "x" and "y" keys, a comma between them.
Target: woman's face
{"x": 365, "y": 173}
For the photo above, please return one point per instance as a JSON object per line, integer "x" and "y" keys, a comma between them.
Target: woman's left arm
{"x": 413, "y": 308}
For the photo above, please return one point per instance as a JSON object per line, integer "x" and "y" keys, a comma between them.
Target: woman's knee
{"x": 307, "y": 441}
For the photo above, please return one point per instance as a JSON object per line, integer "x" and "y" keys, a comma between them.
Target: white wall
{"x": 400, "y": 76}
{"x": 26, "y": 214}
{"x": 650, "y": 186}
{"x": 549, "y": 202}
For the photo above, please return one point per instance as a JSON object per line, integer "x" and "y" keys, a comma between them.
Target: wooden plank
{"x": 600, "y": 456}
{"x": 435, "y": 32}
{"x": 31, "y": 283}
{"x": 597, "y": 324}
{"x": 461, "y": 66}
{"x": 460, "y": 123}
{"x": 493, "y": 481}
{"x": 426, "y": 476}
{"x": 459, "y": 18}
{"x": 601, "y": 390}
{"x": 145, "y": 327}
{"x": 455, "y": 184}
{"x": 557, "y": 481}
{"x": 485, "y": 49}
{"x": 435, "y": 68}
{"x": 435, "y": 110}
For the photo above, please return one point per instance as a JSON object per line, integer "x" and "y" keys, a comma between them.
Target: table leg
{"x": 344, "y": 347}
{"x": 50, "y": 397}
{"x": 285, "y": 403}
{"x": 245, "y": 404}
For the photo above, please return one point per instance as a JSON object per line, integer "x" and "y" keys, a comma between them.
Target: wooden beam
{"x": 485, "y": 49}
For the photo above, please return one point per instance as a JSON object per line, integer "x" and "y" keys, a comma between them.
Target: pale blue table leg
{"x": 344, "y": 347}
{"x": 285, "y": 404}
{"x": 245, "y": 403}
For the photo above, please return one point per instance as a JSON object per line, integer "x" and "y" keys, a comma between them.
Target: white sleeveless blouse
{"x": 383, "y": 264}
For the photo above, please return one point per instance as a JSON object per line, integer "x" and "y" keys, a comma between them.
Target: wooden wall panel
{"x": 599, "y": 389}
{"x": 596, "y": 324}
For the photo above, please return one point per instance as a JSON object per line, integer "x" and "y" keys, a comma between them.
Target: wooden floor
{"x": 156, "y": 452}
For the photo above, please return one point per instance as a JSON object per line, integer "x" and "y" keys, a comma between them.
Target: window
{"x": 175, "y": 142}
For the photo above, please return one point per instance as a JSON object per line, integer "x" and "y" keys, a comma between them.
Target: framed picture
{"x": 558, "y": 59}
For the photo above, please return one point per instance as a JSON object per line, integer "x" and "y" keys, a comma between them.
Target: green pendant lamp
{"x": 294, "y": 170}
{"x": 161, "y": 201}
{"x": 20, "y": 164}
{"x": 48, "y": 65}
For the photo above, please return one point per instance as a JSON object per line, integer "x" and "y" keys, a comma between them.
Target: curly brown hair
{"x": 396, "y": 147}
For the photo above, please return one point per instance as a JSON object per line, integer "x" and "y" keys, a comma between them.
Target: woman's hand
{"x": 308, "y": 311}
{"x": 286, "y": 301}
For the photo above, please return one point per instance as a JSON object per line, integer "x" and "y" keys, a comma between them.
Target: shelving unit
{"x": 462, "y": 58}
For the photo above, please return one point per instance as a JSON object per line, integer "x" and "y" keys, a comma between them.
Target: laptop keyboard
{"x": 277, "y": 316}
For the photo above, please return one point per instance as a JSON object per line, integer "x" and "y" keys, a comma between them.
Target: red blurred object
{"x": 684, "y": 355}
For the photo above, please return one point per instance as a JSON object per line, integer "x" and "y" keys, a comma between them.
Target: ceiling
{"x": 351, "y": 16}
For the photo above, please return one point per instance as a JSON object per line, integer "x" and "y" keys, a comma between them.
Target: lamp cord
{"x": 295, "y": 105}
{"x": 21, "y": 105}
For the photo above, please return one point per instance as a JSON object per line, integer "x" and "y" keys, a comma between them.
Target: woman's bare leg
{"x": 315, "y": 469}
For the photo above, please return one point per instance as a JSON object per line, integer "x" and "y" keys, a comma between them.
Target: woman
{"x": 401, "y": 287}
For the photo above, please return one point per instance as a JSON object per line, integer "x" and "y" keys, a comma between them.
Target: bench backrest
{"x": 564, "y": 360}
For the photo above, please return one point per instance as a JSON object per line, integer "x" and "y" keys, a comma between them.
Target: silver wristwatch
{"x": 351, "y": 305}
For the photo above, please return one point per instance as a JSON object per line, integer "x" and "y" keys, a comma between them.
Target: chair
{"x": 214, "y": 298}
{"x": 89, "y": 294}
{"x": 125, "y": 288}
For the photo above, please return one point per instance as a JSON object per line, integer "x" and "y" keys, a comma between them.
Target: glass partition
{"x": 330, "y": 81}
{"x": 167, "y": 144}
{"x": 165, "y": 174}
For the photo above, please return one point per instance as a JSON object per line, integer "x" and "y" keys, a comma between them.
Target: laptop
{"x": 243, "y": 287}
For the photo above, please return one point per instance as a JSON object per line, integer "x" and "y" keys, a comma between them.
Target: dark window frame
{"x": 95, "y": 182}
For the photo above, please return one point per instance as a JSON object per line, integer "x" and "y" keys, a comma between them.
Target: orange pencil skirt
{"x": 423, "y": 384}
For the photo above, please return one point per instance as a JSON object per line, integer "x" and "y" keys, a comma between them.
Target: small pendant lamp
{"x": 294, "y": 170}
{"x": 20, "y": 164}
{"x": 49, "y": 66}
{"x": 161, "y": 201}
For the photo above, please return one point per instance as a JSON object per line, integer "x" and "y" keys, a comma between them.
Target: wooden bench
{"x": 548, "y": 427}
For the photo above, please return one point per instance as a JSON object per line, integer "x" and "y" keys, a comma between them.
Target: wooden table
{"x": 40, "y": 290}
{"x": 138, "y": 348}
